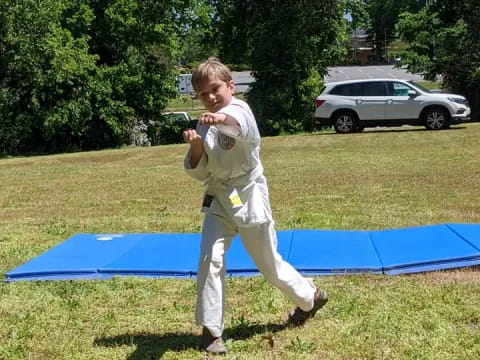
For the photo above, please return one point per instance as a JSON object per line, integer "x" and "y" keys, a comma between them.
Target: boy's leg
{"x": 261, "y": 243}
{"x": 217, "y": 234}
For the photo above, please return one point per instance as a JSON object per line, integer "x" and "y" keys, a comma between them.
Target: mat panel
{"x": 425, "y": 248}
{"x": 319, "y": 252}
{"x": 79, "y": 256}
{"x": 158, "y": 255}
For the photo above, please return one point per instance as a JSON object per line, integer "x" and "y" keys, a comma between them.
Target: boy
{"x": 225, "y": 154}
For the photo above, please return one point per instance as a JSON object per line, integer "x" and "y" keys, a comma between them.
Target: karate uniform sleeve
{"x": 230, "y": 130}
{"x": 200, "y": 172}
{"x": 240, "y": 112}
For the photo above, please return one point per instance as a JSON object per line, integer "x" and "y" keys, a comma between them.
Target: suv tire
{"x": 344, "y": 122}
{"x": 436, "y": 118}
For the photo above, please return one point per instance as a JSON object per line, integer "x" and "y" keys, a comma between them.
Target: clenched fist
{"x": 212, "y": 118}
{"x": 191, "y": 136}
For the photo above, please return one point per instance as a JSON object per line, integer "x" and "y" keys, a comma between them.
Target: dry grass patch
{"x": 457, "y": 276}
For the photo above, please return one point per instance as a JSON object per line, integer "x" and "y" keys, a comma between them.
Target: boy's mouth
{"x": 214, "y": 106}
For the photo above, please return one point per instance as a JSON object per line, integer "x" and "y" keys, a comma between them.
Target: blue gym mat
{"x": 312, "y": 252}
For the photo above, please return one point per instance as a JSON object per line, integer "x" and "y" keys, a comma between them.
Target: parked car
{"x": 168, "y": 130}
{"x": 351, "y": 106}
{"x": 181, "y": 118}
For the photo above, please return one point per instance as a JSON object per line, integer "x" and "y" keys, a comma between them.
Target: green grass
{"x": 430, "y": 85}
{"x": 378, "y": 179}
{"x": 184, "y": 103}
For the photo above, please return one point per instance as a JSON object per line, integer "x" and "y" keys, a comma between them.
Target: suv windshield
{"x": 418, "y": 86}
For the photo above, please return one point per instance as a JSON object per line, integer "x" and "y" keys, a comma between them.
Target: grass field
{"x": 377, "y": 179}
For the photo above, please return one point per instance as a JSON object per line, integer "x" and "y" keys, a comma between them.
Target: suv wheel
{"x": 344, "y": 122}
{"x": 436, "y": 119}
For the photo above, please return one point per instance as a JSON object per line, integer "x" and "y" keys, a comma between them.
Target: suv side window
{"x": 338, "y": 90}
{"x": 374, "y": 88}
{"x": 347, "y": 90}
{"x": 399, "y": 89}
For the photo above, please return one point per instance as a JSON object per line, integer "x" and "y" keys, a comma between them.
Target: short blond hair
{"x": 212, "y": 68}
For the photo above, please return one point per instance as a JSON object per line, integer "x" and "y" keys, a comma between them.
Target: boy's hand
{"x": 191, "y": 136}
{"x": 196, "y": 148}
{"x": 212, "y": 119}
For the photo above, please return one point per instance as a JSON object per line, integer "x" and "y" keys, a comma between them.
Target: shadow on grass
{"x": 153, "y": 346}
{"x": 407, "y": 129}
{"x": 372, "y": 130}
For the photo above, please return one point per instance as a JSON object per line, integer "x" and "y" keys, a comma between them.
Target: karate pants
{"x": 261, "y": 243}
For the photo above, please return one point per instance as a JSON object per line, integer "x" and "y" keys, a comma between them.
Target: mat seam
{"x": 376, "y": 252}
{"x": 461, "y": 237}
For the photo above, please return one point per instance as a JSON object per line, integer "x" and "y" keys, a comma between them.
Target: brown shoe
{"x": 212, "y": 344}
{"x": 298, "y": 317}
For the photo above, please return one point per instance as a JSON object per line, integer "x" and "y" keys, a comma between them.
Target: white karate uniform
{"x": 236, "y": 201}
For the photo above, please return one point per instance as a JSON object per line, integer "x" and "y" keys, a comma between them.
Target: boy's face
{"x": 215, "y": 93}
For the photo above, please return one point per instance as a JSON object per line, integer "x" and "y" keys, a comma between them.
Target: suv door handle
{"x": 358, "y": 101}
{"x": 390, "y": 101}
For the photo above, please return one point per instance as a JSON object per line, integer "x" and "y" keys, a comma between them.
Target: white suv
{"x": 353, "y": 105}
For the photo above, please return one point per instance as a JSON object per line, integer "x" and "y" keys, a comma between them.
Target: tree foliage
{"x": 292, "y": 43}
{"x": 443, "y": 39}
{"x": 198, "y": 32}
{"x": 384, "y": 15}
{"x": 81, "y": 74}
{"x": 378, "y": 18}
{"x": 235, "y": 20}
{"x": 358, "y": 12}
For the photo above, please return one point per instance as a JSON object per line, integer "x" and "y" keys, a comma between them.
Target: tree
{"x": 443, "y": 39}
{"x": 235, "y": 19}
{"x": 198, "y": 32}
{"x": 137, "y": 44}
{"x": 291, "y": 50}
{"x": 41, "y": 65}
{"x": 358, "y": 12}
{"x": 82, "y": 74}
{"x": 379, "y": 17}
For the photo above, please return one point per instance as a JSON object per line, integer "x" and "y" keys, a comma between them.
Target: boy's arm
{"x": 196, "y": 148}
{"x": 241, "y": 113}
{"x": 224, "y": 122}
{"x": 195, "y": 161}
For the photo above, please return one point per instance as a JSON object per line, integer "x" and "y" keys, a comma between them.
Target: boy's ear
{"x": 231, "y": 86}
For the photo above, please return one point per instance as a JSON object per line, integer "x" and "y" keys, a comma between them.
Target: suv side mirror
{"x": 412, "y": 93}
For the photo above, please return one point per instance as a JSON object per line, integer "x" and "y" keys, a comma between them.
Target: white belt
{"x": 242, "y": 181}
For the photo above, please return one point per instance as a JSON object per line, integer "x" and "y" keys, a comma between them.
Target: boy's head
{"x": 213, "y": 83}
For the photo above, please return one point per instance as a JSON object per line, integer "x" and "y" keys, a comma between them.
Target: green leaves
{"x": 443, "y": 39}
{"x": 290, "y": 53}
{"x": 75, "y": 74}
